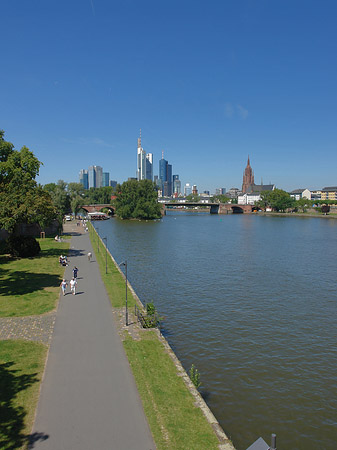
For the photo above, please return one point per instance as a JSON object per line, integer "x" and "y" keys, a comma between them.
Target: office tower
{"x": 84, "y": 180}
{"x": 176, "y": 185}
{"x": 113, "y": 183}
{"x": 220, "y": 191}
{"x": 144, "y": 162}
{"x": 165, "y": 176}
{"x": 99, "y": 176}
{"x": 105, "y": 179}
{"x": 92, "y": 177}
{"x": 187, "y": 189}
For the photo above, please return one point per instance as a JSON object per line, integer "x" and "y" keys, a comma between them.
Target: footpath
{"x": 88, "y": 398}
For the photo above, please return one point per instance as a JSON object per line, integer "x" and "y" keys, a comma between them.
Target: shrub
{"x": 195, "y": 376}
{"x": 23, "y": 246}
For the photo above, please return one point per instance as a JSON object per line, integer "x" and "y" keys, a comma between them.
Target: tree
{"x": 303, "y": 204}
{"x": 60, "y": 198}
{"x": 277, "y": 199}
{"x": 221, "y": 198}
{"x": 21, "y": 199}
{"x": 137, "y": 200}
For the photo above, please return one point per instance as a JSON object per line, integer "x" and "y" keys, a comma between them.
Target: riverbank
{"x": 178, "y": 416}
{"x": 311, "y": 215}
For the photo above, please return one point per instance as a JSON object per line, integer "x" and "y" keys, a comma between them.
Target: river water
{"x": 252, "y": 302}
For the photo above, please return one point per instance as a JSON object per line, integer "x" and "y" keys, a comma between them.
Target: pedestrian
{"x": 73, "y": 284}
{"x": 75, "y": 271}
{"x": 63, "y": 285}
{"x": 89, "y": 256}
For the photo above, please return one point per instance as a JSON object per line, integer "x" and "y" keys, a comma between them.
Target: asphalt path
{"x": 88, "y": 398}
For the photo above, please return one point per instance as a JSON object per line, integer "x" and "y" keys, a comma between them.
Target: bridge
{"x": 97, "y": 208}
{"x": 214, "y": 208}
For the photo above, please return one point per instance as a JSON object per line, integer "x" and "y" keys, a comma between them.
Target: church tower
{"x": 248, "y": 178}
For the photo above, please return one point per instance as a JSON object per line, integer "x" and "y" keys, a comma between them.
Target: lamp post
{"x": 106, "y": 254}
{"x": 97, "y": 239}
{"x": 124, "y": 263}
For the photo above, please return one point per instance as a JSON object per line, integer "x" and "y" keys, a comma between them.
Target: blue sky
{"x": 208, "y": 82}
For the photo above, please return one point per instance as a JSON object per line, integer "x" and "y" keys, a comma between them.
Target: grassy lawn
{"x": 114, "y": 283}
{"x": 21, "y": 368}
{"x": 30, "y": 286}
{"x": 175, "y": 422}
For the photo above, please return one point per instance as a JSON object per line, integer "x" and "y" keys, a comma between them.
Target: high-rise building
{"x": 144, "y": 162}
{"x": 113, "y": 183}
{"x": 248, "y": 178}
{"x": 105, "y": 179}
{"x": 99, "y": 176}
{"x": 92, "y": 177}
{"x": 176, "y": 185}
{"x": 220, "y": 191}
{"x": 165, "y": 176}
{"x": 84, "y": 179}
{"x": 187, "y": 189}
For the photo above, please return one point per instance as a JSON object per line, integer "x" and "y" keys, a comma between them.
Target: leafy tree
{"x": 277, "y": 199}
{"x": 60, "y": 198}
{"x": 193, "y": 198}
{"x": 21, "y": 199}
{"x": 137, "y": 200}
{"x": 303, "y": 204}
{"x": 221, "y": 198}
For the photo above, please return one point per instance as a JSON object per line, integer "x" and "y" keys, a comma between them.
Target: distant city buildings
{"x": 144, "y": 162}
{"x": 187, "y": 189}
{"x": 94, "y": 177}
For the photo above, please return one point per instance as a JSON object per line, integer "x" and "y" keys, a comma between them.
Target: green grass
{"x": 30, "y": 286}
{"x": 21, "y": 368}
{"x": 114, "y": 282}
{"x": 174, "y": 420}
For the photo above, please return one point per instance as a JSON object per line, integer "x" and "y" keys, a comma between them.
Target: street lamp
{"x": 97, "y": 240}
{"x": 106, "y": 254}
{"x": 126, "y": 290}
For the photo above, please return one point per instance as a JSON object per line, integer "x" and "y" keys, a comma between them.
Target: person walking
{"x": 75, "y": 271}
{"x": 89, "y": 256}
{"x": 63, "y": 285}
{"x": 73, "y": 284}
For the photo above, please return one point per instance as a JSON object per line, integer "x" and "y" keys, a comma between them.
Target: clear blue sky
{"x": 208, "y": 82}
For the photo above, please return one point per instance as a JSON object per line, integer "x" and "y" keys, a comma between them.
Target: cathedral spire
{"x": 248, "y": 178}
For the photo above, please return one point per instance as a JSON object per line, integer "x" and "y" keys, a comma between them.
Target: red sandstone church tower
{"x": 248, "y": 178}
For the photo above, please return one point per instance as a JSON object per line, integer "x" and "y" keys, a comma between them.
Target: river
{"x": 251, "y": 301}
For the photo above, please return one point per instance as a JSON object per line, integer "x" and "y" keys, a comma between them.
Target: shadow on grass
{"x": 22, "y": 282}
{"x": 11, "y": 416}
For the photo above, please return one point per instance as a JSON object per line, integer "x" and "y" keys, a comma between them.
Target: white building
{"x": 144, "y": 163}
{"x": 297, "y": 194}
{"x": 249, "y": 199}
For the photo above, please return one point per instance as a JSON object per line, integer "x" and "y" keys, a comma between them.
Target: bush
{"x": 195, "y": 376}
{"x": 23, "y": 246}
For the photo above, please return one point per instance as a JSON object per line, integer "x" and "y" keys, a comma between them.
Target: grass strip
{"x": 21, "y": 369}
{"x": 174, "y": 420}
{"x": 30, "y": 286}
{"x": 114, "y": 282}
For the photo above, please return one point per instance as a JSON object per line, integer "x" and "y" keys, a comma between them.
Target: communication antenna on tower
{"x": 162, "y": 154}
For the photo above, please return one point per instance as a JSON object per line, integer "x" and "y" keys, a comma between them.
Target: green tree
{"x": 221, "y": 198}
{"x": 60, "y": 198}
{"x": 137, "y": 200}
{"x": 303, "y": 204}
{"x": 21, "y": 199}
{"x": 277, "y": 199}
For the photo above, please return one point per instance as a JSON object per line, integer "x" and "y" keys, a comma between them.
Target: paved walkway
{"x": 88, "y": 399}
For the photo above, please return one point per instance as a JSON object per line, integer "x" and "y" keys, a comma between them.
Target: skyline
{"x": 208, "y": 84}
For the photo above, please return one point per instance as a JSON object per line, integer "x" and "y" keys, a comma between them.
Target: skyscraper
{"x": 165, "y": 176}
{"x": 99, "y": 176}
{"x": 176, "y": 185}
{"x": 187, "y": 189}
{"x": 92, "y": 177}
{"x": 144, "y": 162}
{"x": 105, "y": 179}
{"x": 84, "y": 179}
